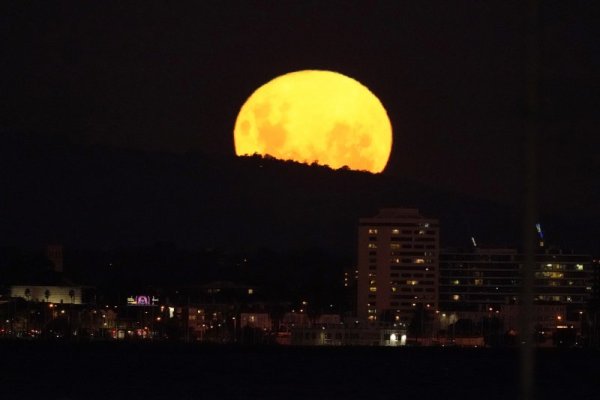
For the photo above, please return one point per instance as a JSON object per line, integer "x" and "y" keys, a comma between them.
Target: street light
{"x": 234, "y": 329}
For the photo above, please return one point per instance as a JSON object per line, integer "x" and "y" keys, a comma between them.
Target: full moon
{"x": 315, "y": 116}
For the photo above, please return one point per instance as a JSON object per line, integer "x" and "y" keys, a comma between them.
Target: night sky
{"x": 168, "y": 79}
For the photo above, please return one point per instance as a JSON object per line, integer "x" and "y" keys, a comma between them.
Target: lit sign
{"x": 142, "y": 300}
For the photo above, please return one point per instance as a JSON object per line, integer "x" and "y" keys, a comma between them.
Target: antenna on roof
{"x": 538, "y": 228}
{"x": 473, "y": 241}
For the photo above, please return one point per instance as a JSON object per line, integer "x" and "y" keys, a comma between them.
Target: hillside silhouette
{"x": 100, "y": 197}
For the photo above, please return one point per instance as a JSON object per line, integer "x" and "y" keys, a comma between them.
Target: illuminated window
{"x": 551, "y": 275}
{"x": 478, "y": 282}
{"x": 395, "y": 246}
{"x": 412, "y": 282}
{"x": 373, "y": 288}
{"x": 455, "y": 297}
{"x": 579, "y": 267}
{"x": 456, "y": 282}
{"x": 419, "y": 261}
{"x": 372, "y": 245}
{"x": 250, "y": 291}
{"x": 395, "y": 231}
{"x": 372, "y": 231}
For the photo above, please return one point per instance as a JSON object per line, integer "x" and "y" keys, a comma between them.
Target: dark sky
{"x": 171, "y": 77}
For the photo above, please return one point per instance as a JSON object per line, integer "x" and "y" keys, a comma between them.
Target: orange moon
{"x": 315, "y": 116}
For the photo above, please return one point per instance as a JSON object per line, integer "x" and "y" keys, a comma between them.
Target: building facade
{"x": 341, "y": 334}
{"x": 480, "y": 280}
{"x": 398, "y": 263}
{"x": 49, "y": 294}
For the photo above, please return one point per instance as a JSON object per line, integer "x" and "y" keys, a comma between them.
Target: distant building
{"x": 341, "y": 334}
{"x": 546, "y": 317}
{"x": 256, "y": 320}
{"x": 52, "y": 286}
{"x": 48, "y": 294}
{"x": 480, "y": 280}
{"x": 398, "y": 257}
{"x": 474, "y": 280}
{"x": 291, "y": 319}
{"x": 350, "y": 286}
{"x": 54, "y": 253}
{"x": 224, "y": 291}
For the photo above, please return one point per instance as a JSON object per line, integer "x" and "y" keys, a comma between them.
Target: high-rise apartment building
{"x": 398, "y": 264}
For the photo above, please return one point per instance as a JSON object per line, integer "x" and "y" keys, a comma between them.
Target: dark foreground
{"x": 172, "y": 371}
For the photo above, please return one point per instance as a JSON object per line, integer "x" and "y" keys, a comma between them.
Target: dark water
{"x": 175, "y": 371}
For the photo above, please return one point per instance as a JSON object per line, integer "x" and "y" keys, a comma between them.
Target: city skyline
{"x": 103, "y": 148}
{"x": 404, "y": 284}
{"x": 141, "y": 257}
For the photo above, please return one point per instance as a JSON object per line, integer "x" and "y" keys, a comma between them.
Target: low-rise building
{"x": 48, "y": 293}
{"x": 343, "y": 334}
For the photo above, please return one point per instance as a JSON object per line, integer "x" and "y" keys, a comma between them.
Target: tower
{"x": 398, "y": 262}
{"x": 54, "y": 253}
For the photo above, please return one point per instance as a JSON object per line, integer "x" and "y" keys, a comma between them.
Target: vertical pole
{"x": 530, "y": 215}
{"x": 187, "y": 321}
